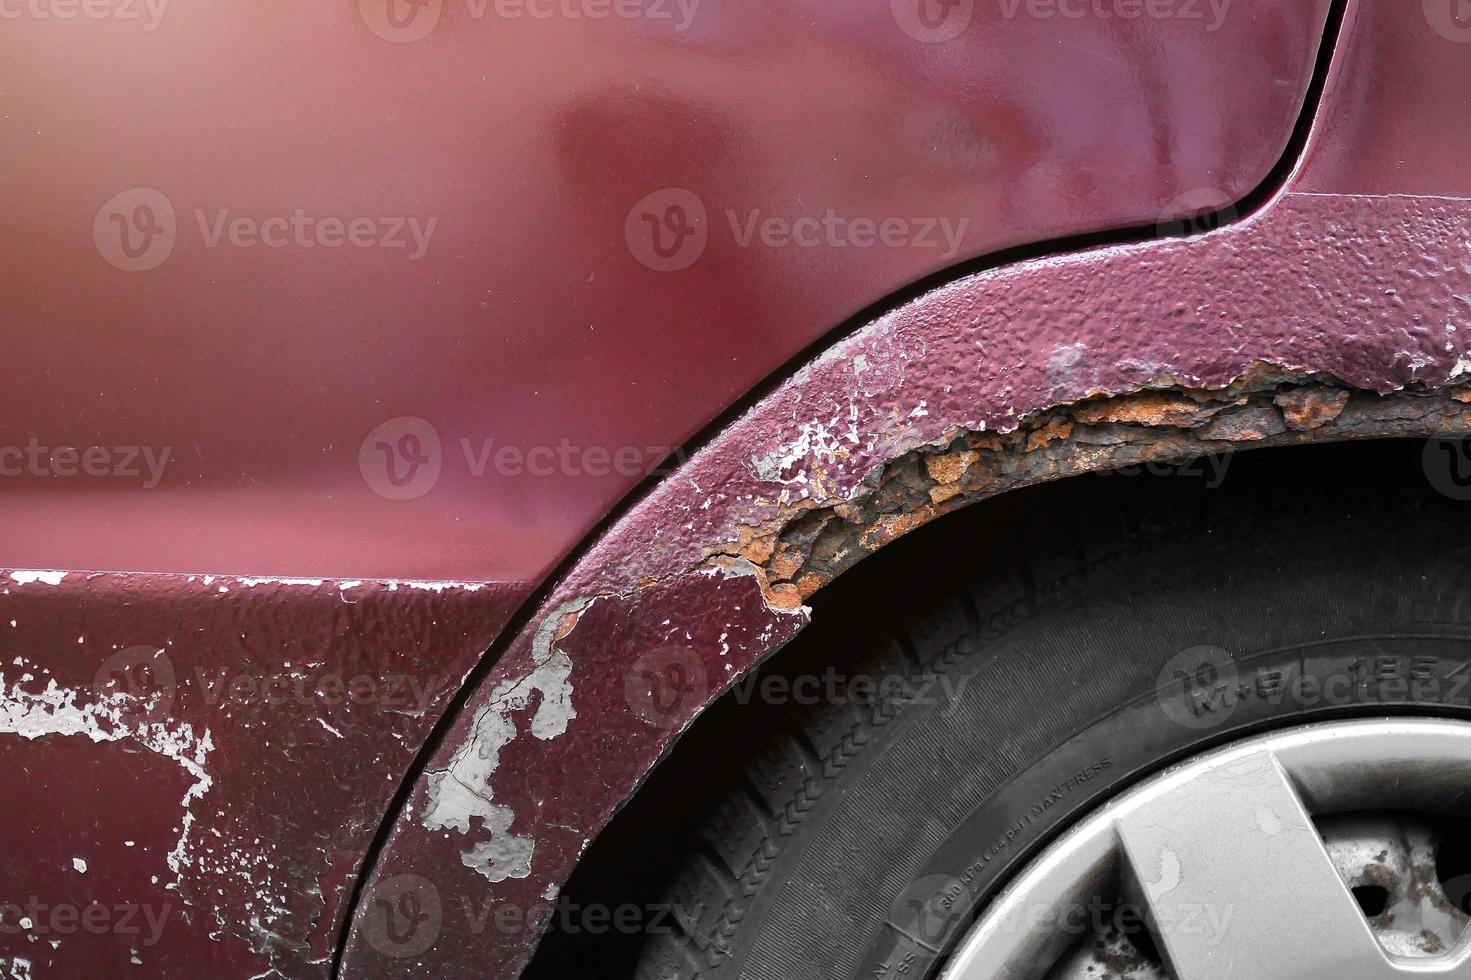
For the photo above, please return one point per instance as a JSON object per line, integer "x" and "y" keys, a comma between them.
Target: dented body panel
{"x": 1336, "y": 310}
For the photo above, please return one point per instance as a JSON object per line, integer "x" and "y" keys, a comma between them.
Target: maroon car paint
{"x": 216, "y": 752}
{"x": 1359, "y": 269}
{"x": 531, "y": 318}
{"x": 528, "y": 319}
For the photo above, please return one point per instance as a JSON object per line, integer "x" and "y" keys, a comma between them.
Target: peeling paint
{"x": 26, "y": 577}
{"x": 285, "y": 783}
{"x": 1299, "y": 324}
{"x": 55, "y": 711}
{"x": 16, "y": 968}
{"x": 462, "y": 793}
{"x": 812, "y": 541}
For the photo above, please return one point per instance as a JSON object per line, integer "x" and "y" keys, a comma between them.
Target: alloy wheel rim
{"x": 1222, "y": 857}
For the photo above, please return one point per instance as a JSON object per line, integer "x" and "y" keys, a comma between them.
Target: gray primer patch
{"x": 462, "y": 792}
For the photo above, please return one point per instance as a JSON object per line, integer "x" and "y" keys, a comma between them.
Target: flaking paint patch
{"x": 55, "y": 711}
{"x": 815, "y": 444}
{"x": 30, "y": 576}
{"x": 462, "y": 793}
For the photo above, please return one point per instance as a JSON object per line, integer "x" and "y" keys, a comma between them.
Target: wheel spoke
{"x": 1239, "y": 885}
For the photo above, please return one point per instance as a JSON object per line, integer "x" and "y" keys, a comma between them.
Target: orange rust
{"x": 755, "y": 546}
{"x": 810, "y": 583}
{"x": 1054, "y": 430}
{"x": 1147, "y": 409}
{"x": 938, "y": 495}
{"x": 565, "y": 625}
{"x": 785, "y": 565}
{"x": 1308, "y": 408}
{"x": 799, "y": 552}
{"x": 949, "y": 467}
{"x": 896, "y": 525}
{"x": 784, "y": 595}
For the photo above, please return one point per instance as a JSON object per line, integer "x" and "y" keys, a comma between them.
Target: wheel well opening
{"x": 1021, "y": 536}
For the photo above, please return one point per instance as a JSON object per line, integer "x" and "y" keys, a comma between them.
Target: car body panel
{"x": 1336, "y": 310}
{"x": 245, "y": 539}
{"x": 529, "y": 318}
{"x": 206, "y": 759}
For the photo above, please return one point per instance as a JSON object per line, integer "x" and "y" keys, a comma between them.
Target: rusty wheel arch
{"x": 813, "y": 547}
{"x": 980, "y": 388}
{"x": 810, "y": 544}
{"x": 1326, "y": 313}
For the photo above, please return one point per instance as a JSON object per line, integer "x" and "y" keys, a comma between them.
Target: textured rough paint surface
{"x": 461, "y": 792}
{"x": 1332, "y": 312}
{"x": 228, "y": 747}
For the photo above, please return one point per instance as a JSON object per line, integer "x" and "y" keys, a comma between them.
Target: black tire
{"x": 861, "y": 835}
